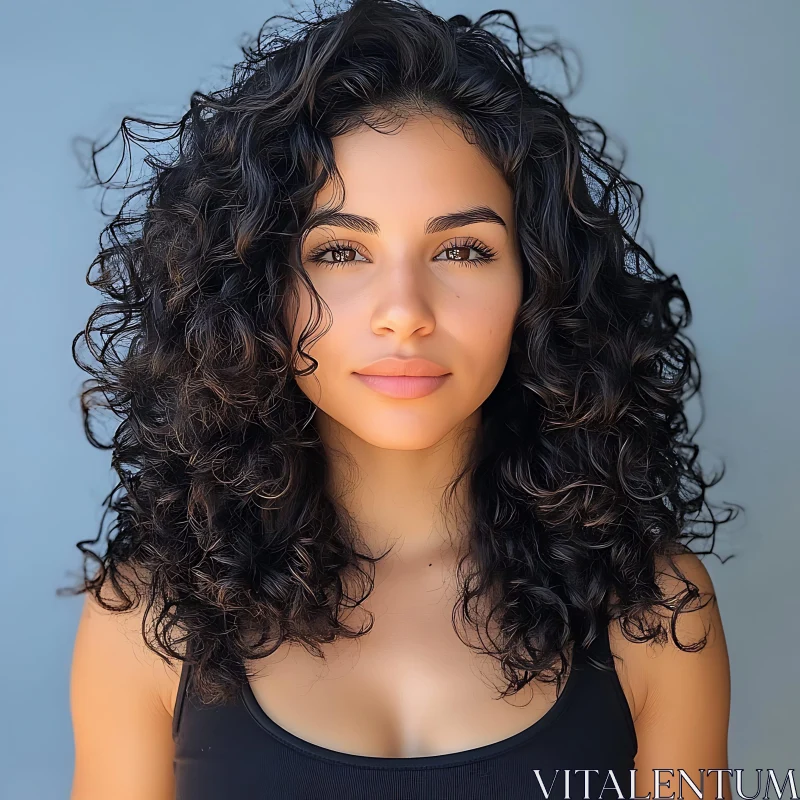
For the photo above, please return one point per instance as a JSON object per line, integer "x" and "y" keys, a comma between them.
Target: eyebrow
{"x": 444, "y": 222}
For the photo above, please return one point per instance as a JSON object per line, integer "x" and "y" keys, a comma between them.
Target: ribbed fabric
{"x": 236, "y": 752}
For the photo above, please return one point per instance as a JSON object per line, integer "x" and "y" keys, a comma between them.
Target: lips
{"x": 404, "y": 378}
{"x": 403, "y": 386}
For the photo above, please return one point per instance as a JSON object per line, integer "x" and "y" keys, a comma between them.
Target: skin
{"x": 410, "y": 687}
{"x": 401, "y": 295}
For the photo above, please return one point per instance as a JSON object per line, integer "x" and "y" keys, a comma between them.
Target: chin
{"x": 408, "y": 433}
{"x": 393, "y": 441}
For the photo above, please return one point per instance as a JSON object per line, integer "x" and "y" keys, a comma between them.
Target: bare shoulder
{"x": 119, "y": 635}
{"x": 680, "y": 692}
{"x": 651, "y": 670}
{"x": 121, "y": 700}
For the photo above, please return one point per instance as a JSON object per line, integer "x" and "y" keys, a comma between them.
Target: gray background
{"x": 703, "y": 95}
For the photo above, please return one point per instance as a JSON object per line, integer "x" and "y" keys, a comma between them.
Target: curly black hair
{"x": 585, "y": 473}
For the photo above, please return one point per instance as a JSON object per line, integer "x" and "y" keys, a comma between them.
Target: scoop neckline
{"x": 266, "y": 723}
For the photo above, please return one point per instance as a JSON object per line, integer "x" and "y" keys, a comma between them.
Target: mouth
{"x": 403, "y": 377}
{"x": 403, "y": 386}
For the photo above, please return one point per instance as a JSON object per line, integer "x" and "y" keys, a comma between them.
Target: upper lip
{"x": 395, "y": 365}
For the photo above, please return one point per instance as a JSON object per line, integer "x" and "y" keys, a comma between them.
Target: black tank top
{"x": 235, "y": 751}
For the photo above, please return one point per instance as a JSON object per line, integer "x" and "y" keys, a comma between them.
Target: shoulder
{"x": 680, "y": 689}
{"x": 120, "y": 694}
{"x": 111, "y": 644}
{"x": 651, "y": 673}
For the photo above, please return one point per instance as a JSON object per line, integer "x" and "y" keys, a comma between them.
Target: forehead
{"x": 421, "y": 168}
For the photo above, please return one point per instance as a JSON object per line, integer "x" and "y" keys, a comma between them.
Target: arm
{"x": 122, "y": 723}
{"x": 683, "y": 721}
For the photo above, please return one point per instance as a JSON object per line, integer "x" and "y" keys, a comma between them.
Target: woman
{"x": 405, "y": 482}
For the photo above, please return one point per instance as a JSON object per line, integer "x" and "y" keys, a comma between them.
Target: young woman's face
{"x": 413, "y": 287}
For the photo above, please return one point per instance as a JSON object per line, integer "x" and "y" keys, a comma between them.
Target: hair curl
{"x": 585, "y": 470}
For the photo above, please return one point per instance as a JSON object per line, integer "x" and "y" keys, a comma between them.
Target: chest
{"x": 408, "y": 688}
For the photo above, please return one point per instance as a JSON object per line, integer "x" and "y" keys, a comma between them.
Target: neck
{"x": 398, "y": 498}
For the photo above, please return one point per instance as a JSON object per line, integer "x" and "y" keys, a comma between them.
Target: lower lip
{"x": 403, "y": 386}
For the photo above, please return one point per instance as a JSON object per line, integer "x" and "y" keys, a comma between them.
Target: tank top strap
{"x": 601, "y": 680}
{"x": 599, "y": 649}
{"x": 180, "y": 699}
{"x": 600, "y": 646}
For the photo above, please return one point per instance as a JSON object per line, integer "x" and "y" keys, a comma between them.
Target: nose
{"x": 402, "y": 302}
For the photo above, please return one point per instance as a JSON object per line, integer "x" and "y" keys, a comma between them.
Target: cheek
{"x": 297, "y": 316}
{"x": 483, "y": 326}
{"x": 309, "y": 316}
{"x": 330, "y": 349}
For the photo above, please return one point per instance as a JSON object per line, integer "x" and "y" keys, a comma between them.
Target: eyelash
{"x": 487, "y": 254}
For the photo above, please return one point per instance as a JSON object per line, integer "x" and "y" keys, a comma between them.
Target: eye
{"x": 461, "y": 249}
{"x": 341, "y": 253}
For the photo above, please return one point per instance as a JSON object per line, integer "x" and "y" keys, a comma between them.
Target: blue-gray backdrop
{"x": 705, "y": 97}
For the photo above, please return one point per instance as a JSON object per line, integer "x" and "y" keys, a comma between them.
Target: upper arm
{"x": 683, "y": 722}
{"x": 122, "y": 728}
